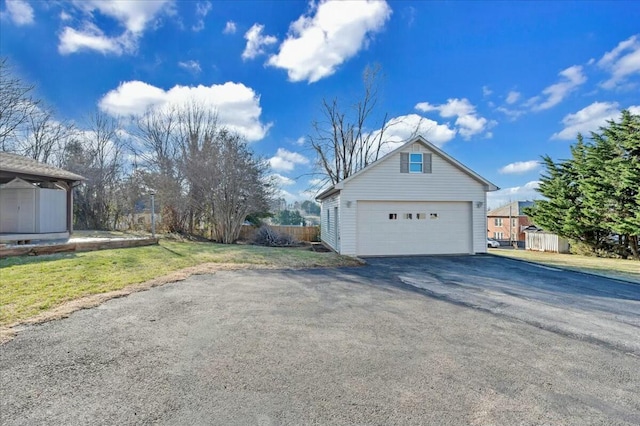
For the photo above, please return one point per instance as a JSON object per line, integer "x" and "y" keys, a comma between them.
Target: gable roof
{"x": 338, "y": 186}
{"x": 14, "y": 165}
{"x": 18, "y": 183}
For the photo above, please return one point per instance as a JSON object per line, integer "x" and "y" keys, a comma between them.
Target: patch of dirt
{"x": 63, "y": 311}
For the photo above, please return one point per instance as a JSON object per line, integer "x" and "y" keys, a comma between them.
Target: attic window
{"x": 415, "y": 163}
{"x": 411, "y": 162}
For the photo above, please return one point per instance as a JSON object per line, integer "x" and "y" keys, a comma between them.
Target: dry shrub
{"x": 266, "y": 236}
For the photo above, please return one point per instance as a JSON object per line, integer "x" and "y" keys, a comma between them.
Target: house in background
{"x": 507, "y": 223}
{"x": 416, "y": 200}
{"x": 36, "y": 199}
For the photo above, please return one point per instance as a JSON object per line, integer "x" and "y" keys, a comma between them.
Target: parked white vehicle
{"x": 492, "y": 243}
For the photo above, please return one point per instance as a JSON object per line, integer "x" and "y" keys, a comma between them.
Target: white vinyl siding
{"x": 384, "y": 182}
{"x": 328, "y": 229}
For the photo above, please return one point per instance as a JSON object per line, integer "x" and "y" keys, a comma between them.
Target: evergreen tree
{"x": 594, "y": 197}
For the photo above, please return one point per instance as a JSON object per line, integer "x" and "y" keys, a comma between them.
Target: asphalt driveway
{"x": 584, "y": 306}
{"x": 380, "y": 344}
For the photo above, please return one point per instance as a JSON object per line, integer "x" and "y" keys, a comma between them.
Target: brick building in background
{"x": 506, "y": 224}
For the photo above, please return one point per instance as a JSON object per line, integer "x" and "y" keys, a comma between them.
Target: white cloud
{"x": 634, "y": 109}
{"x": 513, "y": 97}
{"x": 513, "y": 114}
{"x": 285, "y": 161}
{"x": 520, "y": 167}
{"x": 501, "y": 197}
{"x": 282, "y": 180}
{"x": 289, "y": 197}
{"x": 229, "y": 28}
{"x": 64, "y": 16}
{"x": 622, "y": 62}
{"x": 192, "y": 66}
{"x": 315, "y": 182}
{"x": 486, "y": 91}
{"x": 331, "y": 33}
{"x": 237, "y": 106}
{"x": 301, "y": 141}
{"x": 20, "y": 12}
{"x": 587, "y": 119}
{"x": 92, "y": 38}
{"x": 202, "y": 10}
{"x": 572, "y": 78}
{"x": 401, "y": 128}
{"x": 256, "y": 41}
{"x": 468, "y": 122}
{"x": 133, "y": 16}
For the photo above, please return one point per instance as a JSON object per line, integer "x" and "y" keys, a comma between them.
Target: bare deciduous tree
{"x": 158, "y": 148}
{"x": 98, "y": 156}
{"x": 347, "y": 141}
{"x": 203, "y": 173}
{"x": 242, "y": 187}
{"x": 44, "y": 137}
{"x": 16, "y": 104}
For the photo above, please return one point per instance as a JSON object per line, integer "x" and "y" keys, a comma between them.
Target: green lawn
{"x": 616, "y": 268}
{"x": 32, "y": 285}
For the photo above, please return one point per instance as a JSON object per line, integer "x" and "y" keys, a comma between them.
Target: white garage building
{"x": 416, "y": 200}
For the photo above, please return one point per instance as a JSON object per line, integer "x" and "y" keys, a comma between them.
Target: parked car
{"x": 492, "y": 243}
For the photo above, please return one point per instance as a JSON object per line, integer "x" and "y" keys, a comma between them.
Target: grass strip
{"x": 613, "y": 268}
{"x": 32, "y": 285}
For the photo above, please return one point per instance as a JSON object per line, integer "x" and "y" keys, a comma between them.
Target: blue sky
{"x": 495, "y": 84}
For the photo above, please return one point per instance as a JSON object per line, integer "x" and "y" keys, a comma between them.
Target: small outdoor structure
{"x": 36, "y": 199}
{"x": 537, "y": 239}
{"x": 416, "y": 200}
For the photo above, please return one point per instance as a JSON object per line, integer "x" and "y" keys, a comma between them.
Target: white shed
{"x": 416, "y": 200}
{"x": 26, "y": 208}
{"x": 36, "y": 199}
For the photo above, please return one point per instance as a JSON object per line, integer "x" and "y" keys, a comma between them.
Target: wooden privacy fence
{"x": 546, "y": 241}
{"x": 299, "y": 233}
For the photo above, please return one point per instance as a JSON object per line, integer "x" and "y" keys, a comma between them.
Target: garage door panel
{"x": 446, "y": 228}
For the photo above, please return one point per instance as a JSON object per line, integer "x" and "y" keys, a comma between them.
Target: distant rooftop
{"x": 515, "y": 208}
{"x": 14, "y": 165}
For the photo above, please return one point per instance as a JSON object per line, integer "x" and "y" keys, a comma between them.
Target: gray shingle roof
{"x": 14, "y": 163}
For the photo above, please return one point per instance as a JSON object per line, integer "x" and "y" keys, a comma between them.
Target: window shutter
{"x": 426, "y": 163}
{"x": 404, "y": 162}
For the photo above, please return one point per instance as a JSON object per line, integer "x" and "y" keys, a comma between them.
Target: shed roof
{"x": 14, "y": 165}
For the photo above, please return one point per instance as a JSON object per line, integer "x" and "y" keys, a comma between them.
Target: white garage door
{"x": 386, "y": 228}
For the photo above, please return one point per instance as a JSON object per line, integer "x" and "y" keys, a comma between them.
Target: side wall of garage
{"x": 384, "y": 182}
{"x": 330, "y": 222}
